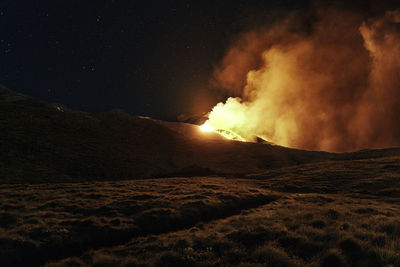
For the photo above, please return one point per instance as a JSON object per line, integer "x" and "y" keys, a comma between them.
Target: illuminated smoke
{"x": 334, "y": 87}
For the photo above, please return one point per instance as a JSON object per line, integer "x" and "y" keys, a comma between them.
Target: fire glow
{"x": 206, "y": 127}
{"x": 335, "y": 89}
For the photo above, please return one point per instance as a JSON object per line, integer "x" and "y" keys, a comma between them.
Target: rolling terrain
{"x": 339, "y": 213}
{"x": 44, "y": 142}
{"x": 112, "y": 189}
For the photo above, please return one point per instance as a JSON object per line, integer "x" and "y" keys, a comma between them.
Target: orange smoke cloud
{"x": 334, "y": 87}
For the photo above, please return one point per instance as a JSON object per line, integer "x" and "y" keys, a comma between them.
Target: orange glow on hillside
{"x": 206, "y": 127}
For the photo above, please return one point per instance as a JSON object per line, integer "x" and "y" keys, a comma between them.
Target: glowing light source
{"x": 206, "y": 127}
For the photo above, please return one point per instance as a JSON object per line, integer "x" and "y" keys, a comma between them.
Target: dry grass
{"x": 281, "y": 233}
{"x": 55, "y": 221}
{"x": 323, "y": 214}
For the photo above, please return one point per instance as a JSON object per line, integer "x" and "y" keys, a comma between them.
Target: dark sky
{"x": 152, "y": 58}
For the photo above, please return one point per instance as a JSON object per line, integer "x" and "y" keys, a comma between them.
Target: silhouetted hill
{"x": 43, "y": 142}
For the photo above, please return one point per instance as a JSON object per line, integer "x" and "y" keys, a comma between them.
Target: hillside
{"x": 44, "y": 142}
{"x": 65, "y": 197}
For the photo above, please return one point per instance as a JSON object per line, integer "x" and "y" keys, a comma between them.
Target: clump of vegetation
{"x": 271, "y": 256}
{"x": 333, "y": 258}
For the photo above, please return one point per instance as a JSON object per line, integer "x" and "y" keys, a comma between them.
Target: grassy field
{"x": 337, "y": 213}
{"x": 71, "y": 195}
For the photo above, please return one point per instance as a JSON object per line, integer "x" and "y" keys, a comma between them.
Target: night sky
{"x": 152, "y": 58}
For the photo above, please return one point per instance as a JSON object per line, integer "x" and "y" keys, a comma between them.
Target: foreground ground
{"x": 341, "y": 213}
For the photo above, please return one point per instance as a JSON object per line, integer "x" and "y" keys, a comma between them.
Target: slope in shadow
{"x": 43, "y": 142}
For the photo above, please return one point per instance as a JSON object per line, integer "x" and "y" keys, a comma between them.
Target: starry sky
{"x": 151, "y": 58}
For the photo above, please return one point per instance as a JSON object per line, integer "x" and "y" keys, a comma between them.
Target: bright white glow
{"x": 206, "y": 127}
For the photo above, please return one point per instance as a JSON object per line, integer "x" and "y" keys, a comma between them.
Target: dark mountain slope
{"x": 43, "y": 142}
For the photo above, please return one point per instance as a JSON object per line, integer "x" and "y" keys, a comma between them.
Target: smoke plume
{"x": 334, "y": 86}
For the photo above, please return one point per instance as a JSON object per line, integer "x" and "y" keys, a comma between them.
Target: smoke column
{"x": 333, "y": 87}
